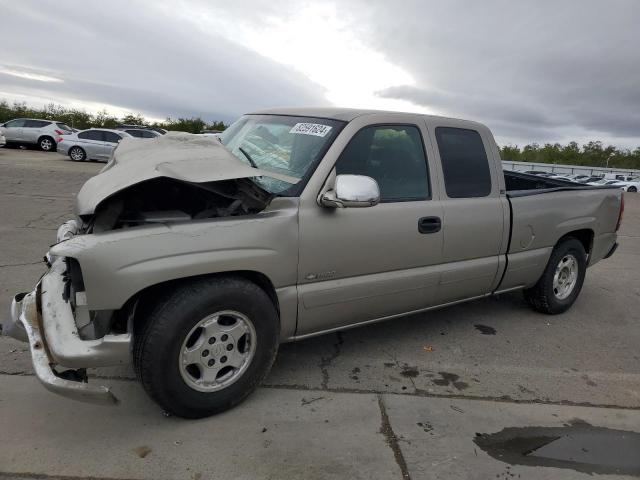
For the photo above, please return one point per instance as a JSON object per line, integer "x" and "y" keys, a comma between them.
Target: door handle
{"x": 429, "y": 224}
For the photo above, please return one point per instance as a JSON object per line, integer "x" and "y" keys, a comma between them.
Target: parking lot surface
{"x": 399, "y": 399}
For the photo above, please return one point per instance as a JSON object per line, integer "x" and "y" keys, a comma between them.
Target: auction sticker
{"x": 316, "y": 129}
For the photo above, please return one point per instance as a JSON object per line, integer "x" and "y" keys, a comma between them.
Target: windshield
{"x": 282, "y": 144}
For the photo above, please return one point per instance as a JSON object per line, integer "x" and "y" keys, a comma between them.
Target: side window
{"x": 15, "y": 123}
{"x": 135, "y": 133}
{"x": 148, "y": 134}
{"x": 91, "y": 135}
{"x": 394, "y": 156}
{"x": 111, "y": 137}
{"x": 464, "y": 163}
{"x": 35, "y": 123}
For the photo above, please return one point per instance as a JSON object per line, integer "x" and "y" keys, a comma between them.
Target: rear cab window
{"x": 465, "y": 165}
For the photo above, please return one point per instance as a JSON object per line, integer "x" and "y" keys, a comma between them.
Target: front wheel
{"x": 632, "y": 189}
{"x": 207, "y": 345}
{"x": 562, "y": 279}
{"x": 77, "y": 154}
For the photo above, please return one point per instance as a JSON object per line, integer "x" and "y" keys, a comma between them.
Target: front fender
{"x": 118, "y": 264}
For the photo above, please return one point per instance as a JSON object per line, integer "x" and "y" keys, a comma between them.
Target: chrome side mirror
{"x": 351, "y": 191}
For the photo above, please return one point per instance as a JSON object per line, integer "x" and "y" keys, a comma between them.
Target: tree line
{"x": 591, "y": 154}
{"x": 82, "y": 119}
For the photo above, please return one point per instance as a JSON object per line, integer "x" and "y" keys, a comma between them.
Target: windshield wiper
{"x": 253, "y": 164}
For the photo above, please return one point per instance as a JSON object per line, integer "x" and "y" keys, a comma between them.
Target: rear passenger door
{"x": 360, "y": 264}
{"x": 32, "y": 129}
{"x": 474, "y": 214}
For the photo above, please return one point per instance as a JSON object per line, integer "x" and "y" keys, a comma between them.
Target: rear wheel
{"x": 77, "y": 154}
{"x": 562, "y": 279}
{"x": 47, "y": 144}
{"x": 207, "y": 345}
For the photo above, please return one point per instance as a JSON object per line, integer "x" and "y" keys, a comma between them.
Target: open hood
{"x": 181, "y": 156}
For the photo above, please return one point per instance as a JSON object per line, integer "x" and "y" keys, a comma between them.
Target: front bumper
{"x": 45, "y": 320}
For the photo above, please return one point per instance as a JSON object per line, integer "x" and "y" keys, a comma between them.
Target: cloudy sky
{"x": 539, "y": 70}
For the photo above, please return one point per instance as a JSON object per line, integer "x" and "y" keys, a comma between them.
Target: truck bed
{"x": 537, "y": 222}
{"x": 523, "y": 184}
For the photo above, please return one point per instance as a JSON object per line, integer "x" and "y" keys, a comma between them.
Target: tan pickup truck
{"x": 193, "y": 257}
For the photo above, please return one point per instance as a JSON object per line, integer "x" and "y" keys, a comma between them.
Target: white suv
{"x": 28, "y": 131}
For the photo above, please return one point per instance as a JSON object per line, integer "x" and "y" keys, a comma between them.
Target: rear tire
{"x": 562, "y": 279}
{"x": 77, "y": 154}
{"x": 47, "y": 144}
{"x": 189, "y": 355}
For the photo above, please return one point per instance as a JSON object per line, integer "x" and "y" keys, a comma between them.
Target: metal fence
{"x": 566, "y": 169}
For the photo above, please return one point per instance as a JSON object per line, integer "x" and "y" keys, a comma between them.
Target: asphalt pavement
{"x": 405, "y": 398}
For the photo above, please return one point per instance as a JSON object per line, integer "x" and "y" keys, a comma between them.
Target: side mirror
{"x": 352, "y": 191}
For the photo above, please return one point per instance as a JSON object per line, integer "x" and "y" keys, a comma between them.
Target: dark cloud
{"x": 138, "y": 57}
{"x": 535, "y": 70}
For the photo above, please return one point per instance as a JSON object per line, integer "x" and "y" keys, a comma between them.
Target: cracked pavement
{"x": 399, "y": 399}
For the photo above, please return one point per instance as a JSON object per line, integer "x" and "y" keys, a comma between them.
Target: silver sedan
{"x": 93, "y": 144}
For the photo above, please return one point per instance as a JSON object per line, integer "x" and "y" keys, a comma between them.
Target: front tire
{"x": 207, "y": 345}
{"x": 632, "y": 189}
{"x": 562, "y": 279}
{"x": 77, "y": 154}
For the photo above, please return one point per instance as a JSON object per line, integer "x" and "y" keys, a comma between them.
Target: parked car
{"x": 33, "y": 132}
{"x": 91, "y": 144}
{"x": 142, "y": 133}
{"x": 194, "y": 258}
{"x": 603, "y": 181}
{"x": 588, "y": 180}
{"x": 161, "y": 131}
{"x": 629, "y": 186}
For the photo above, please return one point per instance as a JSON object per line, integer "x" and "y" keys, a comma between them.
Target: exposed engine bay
{"x": 162, "y": 200}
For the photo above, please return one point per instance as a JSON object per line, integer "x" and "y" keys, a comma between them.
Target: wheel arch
{"x": 140, "y": 302}
{"x": 584, "y": 236}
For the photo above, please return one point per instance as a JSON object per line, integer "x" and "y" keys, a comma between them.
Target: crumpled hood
{"x": 182, "y": 156}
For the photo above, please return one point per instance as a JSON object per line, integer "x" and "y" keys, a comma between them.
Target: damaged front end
{"x": 167, "y": 200}
{"x": 148, "y": 186}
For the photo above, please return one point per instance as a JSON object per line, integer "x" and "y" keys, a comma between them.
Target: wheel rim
{"x": 217, "y": 351}
{"x": 565, "y": 277}
{"x": 46, "y": 144}
{"x": 76, "y": 154}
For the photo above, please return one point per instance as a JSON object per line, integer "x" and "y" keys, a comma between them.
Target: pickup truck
{"x": 194, "y": 257}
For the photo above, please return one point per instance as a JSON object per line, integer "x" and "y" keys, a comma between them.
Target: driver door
{"x": 362, "y": 264}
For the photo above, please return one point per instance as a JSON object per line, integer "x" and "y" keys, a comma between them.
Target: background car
{"x": 34, "y": 132}
{"x": 142, "y": 133}
{"x": 92, "y": 144}
{"x": 603, "y": 181}
{"x": 630, "y": 186}
{"x": 161, "y": 131}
